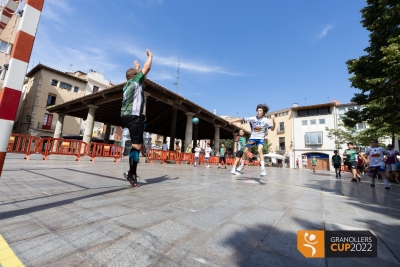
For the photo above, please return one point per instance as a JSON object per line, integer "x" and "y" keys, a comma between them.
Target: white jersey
{"x": 197, "y": 151}
{"x": 208, "y": 151}
{"x": 259, "y": 127}
{"x": 376, "y": 156}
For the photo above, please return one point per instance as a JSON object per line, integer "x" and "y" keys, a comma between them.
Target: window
{"x": 304, "y": 122}
{"x": 95, "y": 89}
{"x": 112, "y": 131}
{"x": 47, "y": 120}
{"x": 3, "y": 46}
{"x": 313, "y": 112}
{"x": 76, "y": 89}
{"x": 313, "y": 138}
{"x": 64, "y": 85}
{"x": 282, "y": 143}
{"x": 287, "y": 112}
{"x": 313, "y": 122}
{"x": 281, "y": 127}
{"x": 341, "y": 111}
{"x": 54, "y": 82}
{"x": 303, "y": 113}
{"x": 51, "y": 100}
{"x": 321, "y": 121}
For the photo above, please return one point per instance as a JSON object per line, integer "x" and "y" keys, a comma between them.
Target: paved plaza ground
{"x": 66, "y": 213}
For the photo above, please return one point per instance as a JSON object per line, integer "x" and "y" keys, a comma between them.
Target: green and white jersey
{"x": 222, "y": 152}
{"x": 133, "y": 98}
{"x": 351, "y": 154}
{"x": 241, "y": 144}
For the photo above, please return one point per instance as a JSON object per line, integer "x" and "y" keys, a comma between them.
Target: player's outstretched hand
{"x": 136, "y": 64}
{"x": 148, "y": 53}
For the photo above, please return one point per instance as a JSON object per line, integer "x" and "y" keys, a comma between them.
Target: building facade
{"x": 46, "y": 87}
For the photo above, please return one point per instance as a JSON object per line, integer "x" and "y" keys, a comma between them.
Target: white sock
{"x": 385, "y": 181}
{"x": 262, "y": 165}
{"x": 241, "y": 163}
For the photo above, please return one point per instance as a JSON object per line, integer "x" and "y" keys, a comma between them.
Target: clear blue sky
{"x": 234, "y": 55}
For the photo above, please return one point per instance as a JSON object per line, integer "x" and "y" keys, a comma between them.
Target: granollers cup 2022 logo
{"x": 321, "y": 243}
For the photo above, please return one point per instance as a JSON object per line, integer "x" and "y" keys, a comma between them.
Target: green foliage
{"x": 377, "y": 74}
{"x": 344, "y": 134}
{"x": 266, "y": 148}
{"x": 228, "y": 144}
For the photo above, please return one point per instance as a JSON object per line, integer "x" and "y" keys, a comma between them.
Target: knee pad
{"x": 134, "y": 155}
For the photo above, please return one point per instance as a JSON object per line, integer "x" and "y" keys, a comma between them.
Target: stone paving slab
{"x": 68, "y": 213}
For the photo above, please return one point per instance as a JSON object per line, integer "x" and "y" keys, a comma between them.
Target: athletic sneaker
{"x": 237, "y": 172}
{"x": 354, "y": 180}
{"x": 233, "y": 171}
{"x": 387, "y": 188}
{"x": 263, "y": 172}
{"x": 207, "y": 166}
{"x": 220, "y": 167}
{"x": 372, "y": 185}
{"x": 359, "y": 179}
{"x": 339, "y": 175}
{"x": 225, "y": 167}
{"x": 132, "y": 179}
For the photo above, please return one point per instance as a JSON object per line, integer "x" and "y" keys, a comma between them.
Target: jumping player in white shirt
{"x": 207, "y": 156}
{"x": 259, "y": 126}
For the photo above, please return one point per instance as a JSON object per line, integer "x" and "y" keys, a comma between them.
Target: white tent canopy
{"x": 274, "y": 156}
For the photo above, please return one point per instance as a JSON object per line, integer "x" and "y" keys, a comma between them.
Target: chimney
{"x": 295, "y": 105}
{"x": 336, "y": 102}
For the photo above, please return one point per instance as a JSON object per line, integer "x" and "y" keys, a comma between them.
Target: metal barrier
{"x": 105, "y": 150}
{"x": 58, "y": 146}
{"x": 22, "y": 143}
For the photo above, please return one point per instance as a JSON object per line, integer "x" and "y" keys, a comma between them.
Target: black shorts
{"x": 353, "y": 164}
{"x": 359, "y": 167}
{"x": 336, "y": 165}
{"x": 239, "y": 154}
{"x": 222, "y": 159}
{"x": 135, "y": 124}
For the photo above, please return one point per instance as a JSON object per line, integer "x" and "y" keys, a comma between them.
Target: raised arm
{"x": 273, "y": 124}
{"x": 147, "y": 65}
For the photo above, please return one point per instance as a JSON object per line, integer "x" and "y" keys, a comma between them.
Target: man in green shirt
{"x": 222, "y": 151}
{"x": 314, "y": 163}
{"x": 241, "y": 145}
{"x": 132, "y": 113}
{"x": 336, "y": 162}
{"x": 351, "y": 155}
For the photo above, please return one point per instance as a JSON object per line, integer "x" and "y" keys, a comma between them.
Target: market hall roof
{"x": 159, "y": 110}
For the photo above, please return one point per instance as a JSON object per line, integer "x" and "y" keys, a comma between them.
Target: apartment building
{"x": 281, "y": 138}
{"x": 45, "y": 87}
{"x": 310, "y": 134}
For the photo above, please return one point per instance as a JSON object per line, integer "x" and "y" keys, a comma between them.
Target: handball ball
{"x": 195, "y": 120}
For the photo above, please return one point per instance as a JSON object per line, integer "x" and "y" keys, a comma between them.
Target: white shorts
{"x": 391, "y": 167}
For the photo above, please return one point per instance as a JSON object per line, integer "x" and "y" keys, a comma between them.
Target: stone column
{"x": 173, "y": 129}
{"x": 59, "y": 126}
{"x": 107, "y": 134}
{"x": 234, "y": 144}
{"x": 216, "y": 139}
{"x": 146, "y": 94}
{"x": 87, "y": 136}
{"x": 189, "y": 129}
{"x": 195, "y": 134}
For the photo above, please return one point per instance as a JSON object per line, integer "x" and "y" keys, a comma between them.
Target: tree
{"x": 228, "y": 144}
{"x": 377, "y": 74}
{"x": 344, "y": 134}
